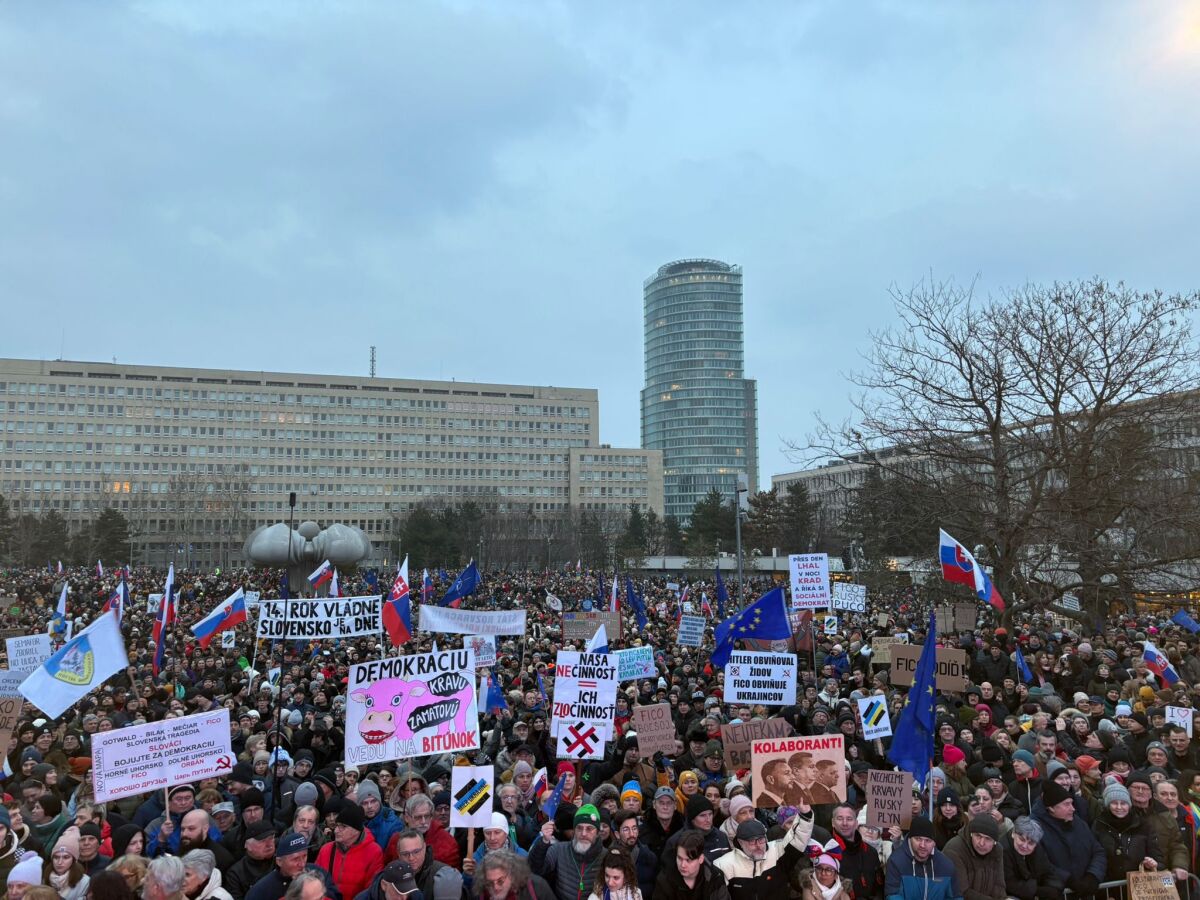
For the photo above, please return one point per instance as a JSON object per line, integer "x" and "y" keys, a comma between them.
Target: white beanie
{"x": 499, "y": 822}
{"x": 27, "y": 871}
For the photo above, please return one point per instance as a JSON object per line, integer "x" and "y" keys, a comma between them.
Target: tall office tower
{"x": 697, "y": 408}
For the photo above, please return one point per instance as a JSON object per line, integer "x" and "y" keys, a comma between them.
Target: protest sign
{"x": 881, "y": 620}
{"x": 889, "y": 799}
{"x": 142, "y": 759}
{"x": 766, "y": 678}
{"x": 472, "y": 794}
{"x": 584, "y": 707}
{"x": 691, "y": 631}
{"x": 484, "y": 647}
{"x": 1151, "y": 885}
{"x": 1176, "y": 715}
{"x": 881, "y": 648}
{"x": 446, "y": 620}
{"x": 253, "y": 598}
{"x": 831, "y": 625}
{"x": 849, "y": 597}
{"x": 7, "y": 633}
{"x": 11, "y": 703}
{"x": 876, "y": 721}
{"x": 582, "y": 626}
{"x": 334, "y": 618}
{"x": 951, "y": 666}
{"x": 736, "y": 739}
{"x": 787, "y": 771}
{"x": 28, "y": 652}
{"x": 673, "y": 586}
{"x": 810, "y": 580}
{"x": 655, "y": 729}
{"x": 635, "y": 664}
{"x": 153, "y": 601}
{"x": 228, "y": 640}
{"x": 405, "y": 706}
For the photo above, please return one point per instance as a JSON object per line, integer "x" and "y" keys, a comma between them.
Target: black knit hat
{"x": 351, "y": 816}
{"x": 698, "y": 805}
{"x": 921, "y": 827}
{"x": 1053, "y": 794}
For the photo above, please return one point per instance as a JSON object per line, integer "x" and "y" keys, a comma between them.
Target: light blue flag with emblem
{"x": 83, "y": 664}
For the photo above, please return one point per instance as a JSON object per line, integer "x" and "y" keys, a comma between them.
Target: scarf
{"x": 828, "y": 893}
{"x": 61, "y": 883}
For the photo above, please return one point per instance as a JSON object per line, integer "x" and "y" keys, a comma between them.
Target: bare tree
{"x": 1052, "y": 425}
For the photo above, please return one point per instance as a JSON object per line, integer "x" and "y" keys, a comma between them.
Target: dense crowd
{"x": 1057, "y": 783}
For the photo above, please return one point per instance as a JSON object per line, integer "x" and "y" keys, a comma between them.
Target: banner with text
{"x": 810, "y": 580}
{"x": 11, "y": 703}
{"x": 635, "y": 664}
{"x": 766, "y": 678}
{"x": 582, "y": 626}
{"x": 445, "y": 620}
{"x": 691, "y": 631}
{"x": 335, "y": 618}
{"x": 141, "y": 759}
{"x": 405, "y": 706}
{"x": 788, "y": 771}
{"x": 584, "y": 708}
{"x": 655, "y": 729}
{"x": 951, "y": 666}
{"x": 849, "y": 597}
{"x": 889, "y": 799}
{"x": 736, "y": 739}
{"x": 27, "y": 653}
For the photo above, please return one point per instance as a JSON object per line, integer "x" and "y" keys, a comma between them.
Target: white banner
{"x": 810, "y": 580}
{"x": 472, "y": 792}
{"x": 469, "y": 621}
{"x": 405, "y": 706}
{"x": 635, "y": 664}
{"x": 849, "y": 597}
{"x": 766, "y": 678}
{"x": 876, "y": 720}
{"x": 325, "y": 619}
{"x": 484, "y": 648}
{"x": 140, "y": 759}
{"x": 27, "y": 653}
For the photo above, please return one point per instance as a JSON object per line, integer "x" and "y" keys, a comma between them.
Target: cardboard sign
{"x": 335, "y": 618}
{"x": 1151, "y": 886}
{"x": 582, "y": 626}
{"x": 484, "y": 648}
{"x": 691, "y": 631}
{"x": 951, "y": 666}
{"x": 1176, "y": 715}
{"x": 472, "y": 795}
{"x": 655, "y": 729}
{"x": 11, "y": 702}
{"x": 7, "y": 633}
{"x": 956, "y": 617}
{"x": 881, "y": 648}
{"x": 736, "y": 739}
{"x": 27, "y": 653}
{"x": 849, "y": 597}
{"x": 635, "y": 664}
{"x": 810, "y": 580}
{"x": 889, "y": 799}
{"x": 144, "y": 758}
{"x": 788, "y": 771}
{"x": 761, "y": 678}
{"x": 405, "y": 706}
{"x": 875, "y": 718}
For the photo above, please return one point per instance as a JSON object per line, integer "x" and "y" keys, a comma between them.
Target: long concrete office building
{"x": 203, "y": 456}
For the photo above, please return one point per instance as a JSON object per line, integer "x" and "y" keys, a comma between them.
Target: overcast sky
{"x": 481, "y": 189}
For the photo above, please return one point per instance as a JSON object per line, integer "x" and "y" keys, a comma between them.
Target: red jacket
{"x": 353, "y": 870}
{"x": 439, "y": 840}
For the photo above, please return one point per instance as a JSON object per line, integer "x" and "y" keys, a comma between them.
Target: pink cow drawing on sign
{"x": 402, "y": 709}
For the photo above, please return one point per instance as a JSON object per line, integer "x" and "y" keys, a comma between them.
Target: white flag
{"x": 83, "y": 664}
{"x": 553, "y": 602}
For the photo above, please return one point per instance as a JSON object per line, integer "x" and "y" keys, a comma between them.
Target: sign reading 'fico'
{"x": 951, "y": 666}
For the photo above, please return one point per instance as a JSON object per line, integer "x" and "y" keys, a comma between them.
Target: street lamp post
{"x": 743, "y": 487}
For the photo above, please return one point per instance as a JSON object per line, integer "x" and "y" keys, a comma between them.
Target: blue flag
{"x": 464, "y": 585}
{"x": 639, "y": 607}
{"x": 766, "y": 619}
{"x": 1183, "y": 620}
{"x": 722, "y": 595}
{"x": 544, "y": 703}
{"x": 1023, "y": 667}
{"x": 283, "y": 587}
{"x": 443, "y": 575}
{"x": 495, "y": 695}
{"x": 912, "y": 741}
{"x": 551, "y": 806}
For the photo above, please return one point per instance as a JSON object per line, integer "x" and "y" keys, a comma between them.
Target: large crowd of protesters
{"x": 1059, "y": 783}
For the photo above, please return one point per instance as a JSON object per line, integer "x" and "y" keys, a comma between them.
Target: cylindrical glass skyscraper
{"x": 697, "y": 406}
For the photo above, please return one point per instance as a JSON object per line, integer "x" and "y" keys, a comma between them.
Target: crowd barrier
{"x": 1116, "y": 890}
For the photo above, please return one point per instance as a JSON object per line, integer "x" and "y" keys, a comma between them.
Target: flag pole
{"x": 287, "y": 605}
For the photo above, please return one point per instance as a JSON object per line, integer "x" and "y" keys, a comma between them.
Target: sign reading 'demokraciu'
{"x": 332, "y": 619}
{"x": 407, "y": 706}
{"x": 765, "y": 678}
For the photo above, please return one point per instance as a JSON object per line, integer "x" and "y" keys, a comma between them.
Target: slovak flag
{"x": 118, "y": 598}
{"x": 960, "y": 567}
{"x": 60, "y": 567}
{"x": 99, "y": 569}
{"x": 705, "y": 606}
{"x": 578, "y": 567}
{"x": 614, "y": 605}
{"x": 163, "y": 620}
{"x": 397, "y": 608}
{"x": 540, "y": 781}
{"x": 426, "y": 585}
{"x": 320, "y": 575}
{"x": 229, "y": 613}
{"x": 679, "y": 609}
{"x": 1157, "y": 662}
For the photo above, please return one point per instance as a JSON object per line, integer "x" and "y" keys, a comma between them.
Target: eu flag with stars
{"x": 912, "y": 741}
{"x": 766, "y": 619}
{"x": 639, "y": 607}
{"x": 1023, "y": 667}
{"x": 464, "y": 585}
{"x": 1183, "y": 620}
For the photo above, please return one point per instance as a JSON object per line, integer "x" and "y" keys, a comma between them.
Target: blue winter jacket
{"x": 907, "y": 879}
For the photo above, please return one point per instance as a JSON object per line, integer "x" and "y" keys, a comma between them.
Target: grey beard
{"x": 581, "y": 847}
